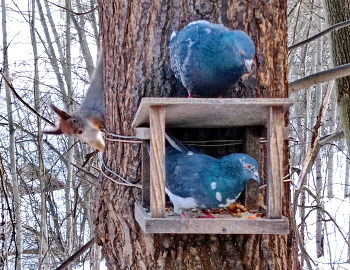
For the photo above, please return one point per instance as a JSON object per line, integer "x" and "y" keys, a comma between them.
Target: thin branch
{"x": 321, "y": 207}
{"x": 302, "y": 248}
{"x": 80, "y": 251}
{"x": 331, "y": 137}
{"x": 4, "y": 183}
{"x": 94, "y": 177}
{"x": 21, "y": 100}
{"x": 70, "y": 11}
{"x": 319, "y": 77}
{"x": 330, "y": 29}
{"x": 314, "y": 147}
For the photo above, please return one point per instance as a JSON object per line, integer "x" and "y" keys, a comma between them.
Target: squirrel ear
{"x": 56, "y": 131}
{"x": 62, "y": 114}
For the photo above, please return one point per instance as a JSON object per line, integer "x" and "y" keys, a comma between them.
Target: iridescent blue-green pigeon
{"x": 209, "y": 58}
{"x": 195, "y": 180}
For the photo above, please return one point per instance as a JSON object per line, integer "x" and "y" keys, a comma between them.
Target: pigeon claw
{"x": 207, "y": 214}
{"x": 183, "y": 215}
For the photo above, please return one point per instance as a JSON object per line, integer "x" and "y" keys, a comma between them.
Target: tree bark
{"x": 135, "y": 35}
{"x": 340, "y": 41}
{"x": 5, "y": 215}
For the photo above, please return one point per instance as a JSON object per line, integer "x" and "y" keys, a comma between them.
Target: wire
{"x": 120, "y": 136}
{"x": 126, "y": 182}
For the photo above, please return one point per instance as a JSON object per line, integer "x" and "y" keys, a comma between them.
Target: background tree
{"x": 48, "y": 200}
{"x": 67, "y": 194}
{"x": 17, "y": 201}
{"x": 336, "y": 13}
{"x": 135, "y": 36}
{"x": 319, "y": 207}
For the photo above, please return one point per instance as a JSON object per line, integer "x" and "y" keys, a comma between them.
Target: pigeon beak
{"x": 257, "y": 178}
{"x": 248, "y": 64}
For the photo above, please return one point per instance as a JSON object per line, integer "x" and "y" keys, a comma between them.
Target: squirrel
{"x": 87, "y": 123}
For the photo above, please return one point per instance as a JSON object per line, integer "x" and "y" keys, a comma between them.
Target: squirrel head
{"x": 86, "y": 130}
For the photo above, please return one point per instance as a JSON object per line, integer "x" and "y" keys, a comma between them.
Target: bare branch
{"x": 75, "y": 13}
{"x": 87, "y": 173}
{"x": 314, "y": 147}
{"x": 331, "y": 137}
{"x": 320, "y": 77}
{"x": 21, "y": 100}
{"x": 80, "y": 251}
{"x": 330, "y": 29}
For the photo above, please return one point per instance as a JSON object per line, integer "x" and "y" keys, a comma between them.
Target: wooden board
{"x": 251, "y": 146}
{"x": 274, "y": 162}
{"x": 210, "y": 112}
{"x": 223, "y": 224}
{"x": 157, "y": 161}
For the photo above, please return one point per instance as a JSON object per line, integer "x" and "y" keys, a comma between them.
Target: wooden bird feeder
{"x": 156, "y": 114}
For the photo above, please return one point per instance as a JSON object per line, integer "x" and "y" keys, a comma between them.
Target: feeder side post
{"x": 275, "y": 138}
{"x": 157, "y": 160}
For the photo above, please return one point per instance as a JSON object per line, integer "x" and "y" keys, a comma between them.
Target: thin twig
{"x": 21, "y": 100}
{"x": 80, "y": 251}
{"x": 71, "y": 11}
{"x": 314, "y": 146}
{"x": 87, "y": 173}
{"x": 330, "y": 29}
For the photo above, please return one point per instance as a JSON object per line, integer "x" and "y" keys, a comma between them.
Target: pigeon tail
{"x": 175, "y": 143}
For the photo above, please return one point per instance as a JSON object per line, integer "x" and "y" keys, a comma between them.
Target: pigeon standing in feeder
{"x": 209, "y": 58}
{"x": 195, "y": 180}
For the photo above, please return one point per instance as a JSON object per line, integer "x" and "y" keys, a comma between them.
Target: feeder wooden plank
{"x": 251, "y": 195}
{"x": 274, "y": 162}
{"x": 157, "y": 160}
{"x": 210, "y": 112}
{"x": 252, "y": 148}
{"x": 223, "y": 224}
{"x": 145, "y": 176}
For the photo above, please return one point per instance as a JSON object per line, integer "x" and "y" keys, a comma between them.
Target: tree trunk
{"x": 135, "y": 35}
{"x": 341, "y": 54}
{"x": 4, "y": 218}
{"x": 44, "y": 258}
{"x": 16, "y": 199}
{"x": 340, "y": 39}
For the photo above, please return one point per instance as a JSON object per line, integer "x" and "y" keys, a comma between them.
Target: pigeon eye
{"x": 241, "y": 52}
{"x": 249, "y": 166}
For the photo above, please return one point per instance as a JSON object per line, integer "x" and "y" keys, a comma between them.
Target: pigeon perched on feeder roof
{"x": 209, "y": 58}
{"x": 195, "y": 180}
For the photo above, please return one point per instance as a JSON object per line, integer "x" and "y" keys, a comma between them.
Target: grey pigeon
{"x": 195, "y": 180}
{"x": 209, "y": 58}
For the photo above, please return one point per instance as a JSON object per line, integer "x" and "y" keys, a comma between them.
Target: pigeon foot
{"x": 207, "y": 214}
{"x": 183, "y": 215}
